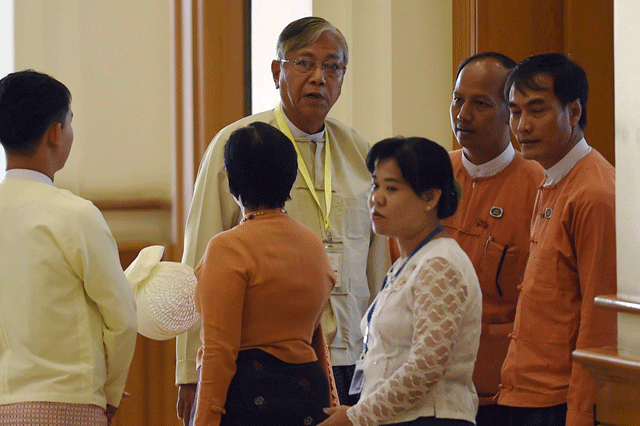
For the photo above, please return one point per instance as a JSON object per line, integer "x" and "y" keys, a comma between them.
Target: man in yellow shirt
{"x": 329, "y": 194}
{"x": 67, "y": 315}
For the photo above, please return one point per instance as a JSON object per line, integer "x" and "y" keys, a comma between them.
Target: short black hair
{"x": 424, "y": 165}
{"x": 262, "y": 165}
{"x": 29, "y": 102}
{"x": 504, "y": 60}
{"x": 569, "y": 79}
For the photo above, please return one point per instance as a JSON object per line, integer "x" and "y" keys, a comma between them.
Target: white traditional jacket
{"x": 67, "y": 315}
{"x": 423, "y": 340}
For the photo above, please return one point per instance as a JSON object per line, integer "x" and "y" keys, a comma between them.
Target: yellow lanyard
{"x": 284, "y": 128}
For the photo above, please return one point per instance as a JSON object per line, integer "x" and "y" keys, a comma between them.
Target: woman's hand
{"x": 337, "y": 416}
{"x": 186, "y": 399}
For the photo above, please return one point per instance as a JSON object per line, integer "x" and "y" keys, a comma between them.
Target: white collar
{"x": 491, "y": 167}
{"x": 555, "y": 173}
{"x": 297, "y": 133}
{"x": 28, "y": 175}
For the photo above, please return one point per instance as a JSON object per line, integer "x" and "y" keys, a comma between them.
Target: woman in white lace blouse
{"x": 422, "y": 331}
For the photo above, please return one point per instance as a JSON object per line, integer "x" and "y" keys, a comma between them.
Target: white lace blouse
{"x": 423, "y": 341}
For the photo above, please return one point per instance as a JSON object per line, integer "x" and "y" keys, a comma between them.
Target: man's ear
{"x": 275, "y": 71}
{"x": 575, "y": 111}
{"x": 52, "y": 134}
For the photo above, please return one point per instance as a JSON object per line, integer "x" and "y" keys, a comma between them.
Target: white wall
{"x": 6, "y": 53}
{"x": 627, "y": 113}
{"x": 268, "y": 18}
{"x": 399, "y": 78}
{"x": 115, "y": 57}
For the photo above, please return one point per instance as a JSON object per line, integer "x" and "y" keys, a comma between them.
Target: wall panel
{"x": 588, "y": 39}
{"x": 519, "y": 29}
{"x": 218, "y": 47}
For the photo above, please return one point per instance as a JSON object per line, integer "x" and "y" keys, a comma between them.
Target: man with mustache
{"x": 492, "y": 221}
{"x": 329, "y": 195}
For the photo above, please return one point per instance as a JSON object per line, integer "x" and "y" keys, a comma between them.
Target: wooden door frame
{"x": 218, "y": 92}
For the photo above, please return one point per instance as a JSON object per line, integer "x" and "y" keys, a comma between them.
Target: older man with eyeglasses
{"x": 329, "y": 195}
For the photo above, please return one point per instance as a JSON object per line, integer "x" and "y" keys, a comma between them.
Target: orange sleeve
{"x": 595, "y": 246}
{"x": 225, "y": 283}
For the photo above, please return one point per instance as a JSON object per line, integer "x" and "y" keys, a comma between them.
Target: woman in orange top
{"x": 262, "y": 287}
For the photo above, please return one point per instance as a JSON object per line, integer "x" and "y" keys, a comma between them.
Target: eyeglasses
{"x": 304, "y": 66}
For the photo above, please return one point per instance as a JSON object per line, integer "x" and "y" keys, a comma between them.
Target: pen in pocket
{"x": 504, "y": 253}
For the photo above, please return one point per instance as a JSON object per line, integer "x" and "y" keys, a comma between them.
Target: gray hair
{"x": 306, "y": 31}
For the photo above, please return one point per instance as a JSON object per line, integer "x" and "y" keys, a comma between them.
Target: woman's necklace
{"x": 253, "y": 215}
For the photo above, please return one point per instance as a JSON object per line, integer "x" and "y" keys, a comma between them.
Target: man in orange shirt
{"x": 493, "y": 219}
{"x": 573, "y": 249}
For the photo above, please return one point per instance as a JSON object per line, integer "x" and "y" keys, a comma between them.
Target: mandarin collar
{"x": 299, "y": 134}
{"x": 555, "y": 173}
{"x": 491, "y": 167}
{"x": 28, "y": 174}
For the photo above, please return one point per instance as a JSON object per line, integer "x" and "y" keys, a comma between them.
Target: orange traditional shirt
{"x": 572, "y": 260}
{"x": 492, "y": 226}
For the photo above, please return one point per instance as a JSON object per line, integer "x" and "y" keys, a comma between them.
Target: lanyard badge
{"x": 334, "y": 249}
{"x": 304, "y": 171}
{"x": 335, "y": 252}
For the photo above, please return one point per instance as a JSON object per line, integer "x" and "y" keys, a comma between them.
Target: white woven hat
{"x": 164, "y": 294}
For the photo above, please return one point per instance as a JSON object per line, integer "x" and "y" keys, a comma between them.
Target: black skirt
{"x": 267, "y": 391}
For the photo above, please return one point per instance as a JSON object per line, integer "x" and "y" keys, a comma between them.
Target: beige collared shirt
{"x": 366, "y": 256}
{"x": 67, "y": 315}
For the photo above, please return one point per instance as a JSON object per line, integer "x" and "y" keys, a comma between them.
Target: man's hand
{"x": 186, "y": 397}
{"x": 110, "y": 412}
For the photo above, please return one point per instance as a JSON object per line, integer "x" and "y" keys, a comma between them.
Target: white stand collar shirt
{"x": 492, "y": 167}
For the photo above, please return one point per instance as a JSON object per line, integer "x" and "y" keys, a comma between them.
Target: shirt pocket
{"x": 352, "y": 227}
{"x": 548, "y": 314}
{"x": 356, "y": 218}
{"x": 501, "y": 271}
{"x": 550, "y": 296}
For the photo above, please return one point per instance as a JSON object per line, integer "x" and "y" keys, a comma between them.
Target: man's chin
{"x": 311, "y": 118}
{"x": 528, "y": 152}
{"x": 311, "y": 104}
{"x": 314, "y": 110}
{"x": 466, "y": 140}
